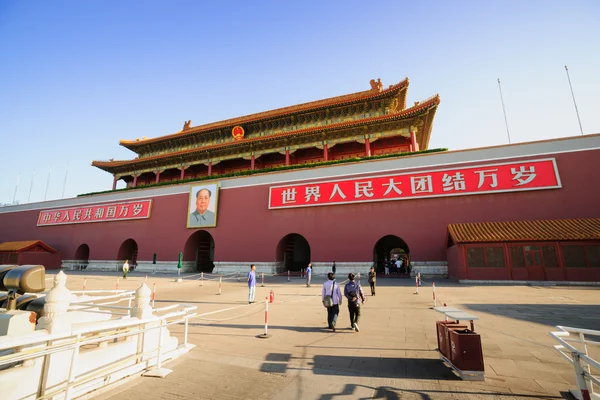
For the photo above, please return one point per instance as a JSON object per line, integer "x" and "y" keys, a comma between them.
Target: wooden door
{"x": 534, "y": 263}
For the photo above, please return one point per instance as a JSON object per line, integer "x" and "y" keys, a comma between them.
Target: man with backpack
{"x": 332, "y": 299}
{"x": 355, "y": 296}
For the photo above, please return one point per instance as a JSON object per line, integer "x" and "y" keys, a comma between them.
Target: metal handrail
{"x": 579, "y": 358}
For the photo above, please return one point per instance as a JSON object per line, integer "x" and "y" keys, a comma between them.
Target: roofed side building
{"x": 29, "y": 252}
{"x": 536, "y": 250}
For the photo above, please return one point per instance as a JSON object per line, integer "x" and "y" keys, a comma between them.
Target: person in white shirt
{"x": 125, "y": 269}
{"x": 332, "y": 288}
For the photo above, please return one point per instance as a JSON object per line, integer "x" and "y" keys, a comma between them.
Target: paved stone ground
{"x": 393, "y": 357}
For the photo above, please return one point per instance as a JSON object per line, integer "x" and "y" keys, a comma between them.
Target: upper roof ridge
{"x": 375, "y": 91}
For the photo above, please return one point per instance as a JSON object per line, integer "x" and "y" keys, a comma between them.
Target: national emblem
{"x": 237, "y": 132}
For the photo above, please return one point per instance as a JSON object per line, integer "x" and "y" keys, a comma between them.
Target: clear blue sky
{"x": 78, "y": 76}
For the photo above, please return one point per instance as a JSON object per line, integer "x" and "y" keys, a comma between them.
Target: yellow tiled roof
{"x": 517, "y": 231}
{"x": 24, "y": 245}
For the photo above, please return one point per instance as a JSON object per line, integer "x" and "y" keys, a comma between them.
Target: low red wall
{"x": 48, "y": 260}
{"x": 456, "y": 264}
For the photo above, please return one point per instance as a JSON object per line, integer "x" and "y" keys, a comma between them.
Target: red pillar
{"x": 325, "y": 152}
{"x": 367, "y": 148}
{"x": 210, "y": 168}
{"x": 413, "y": 142}
{"x": 157, "y": 177}
{"x": 182, "y": 174}
{"x": 287, "y": 157}
{"x": 114, "y": 183}
{"x": 135, "y": 180}
{"x": 252, "y": 163}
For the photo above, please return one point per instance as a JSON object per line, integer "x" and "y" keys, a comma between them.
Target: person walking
{"x": 308, "y": 274}
{"x": 251, "y": 284}
{"x": 125, "y": 269}
{"x": 332, "y": 300}
{"x": 355, "y": 296}
{"x": 333, "y": 268}
{"x": 372, "y": 280}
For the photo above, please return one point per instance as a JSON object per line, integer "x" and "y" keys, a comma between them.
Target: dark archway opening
{"x": 82, "y": 255}
{"x": 128, "y": 251}
{"x": 293, "y": 251}
{"x": 200, "y": 248}
{"x": 387, "y": 248}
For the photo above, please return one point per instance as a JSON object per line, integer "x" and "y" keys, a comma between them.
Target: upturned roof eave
{"x": 264, "y": 115}
{"x": 423, "y": 108}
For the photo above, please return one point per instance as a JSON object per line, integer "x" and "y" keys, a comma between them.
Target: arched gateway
{"x": 82, "y": 256}
{"x": 200, "y": 248}
{"x": 389, "y": 246}
{"x": 128, "y": 251}
{"x": 293, "y": 251}
{"x": 82, "y": 253}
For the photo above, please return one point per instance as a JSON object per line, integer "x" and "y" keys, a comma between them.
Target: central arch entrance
{"x": 200, "y": 248}
{"x": 388, "y": 247}
{"x": 293, "y": 251}
{"x": 128, "y": 251}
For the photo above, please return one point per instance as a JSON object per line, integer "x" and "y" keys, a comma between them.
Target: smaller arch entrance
{"x": 128, "y": 251}
{"x": 200, "y": 248}
{"x": 387, "y": 248}
{"x": 293, "y": 251}
{"x": 82, "y": 255}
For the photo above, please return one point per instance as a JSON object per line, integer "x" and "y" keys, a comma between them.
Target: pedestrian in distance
{"x": 125, "y": 269}
{"x": 372, "y": 280}
{"x": 355, "y": 296}
{"x": 251, "y": 284}
{"x": 332, "y": 300}
{"x": 333, "y": 268}
{"x": 308, "y": 274}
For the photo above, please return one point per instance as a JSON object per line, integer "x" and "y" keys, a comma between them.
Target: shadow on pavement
{"x": 375, "y": 367}
{"x": 393, "y": 393}
{"x": 364, "y": 348}
{"x": 573, "y": 315}
{"x": 302, "y": 329}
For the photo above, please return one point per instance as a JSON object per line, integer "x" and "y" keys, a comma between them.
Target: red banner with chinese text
{"x": 487, "y": 178}
{"x": 138, "y": 209}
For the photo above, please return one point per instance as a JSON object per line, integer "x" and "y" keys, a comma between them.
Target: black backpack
{"x": 353, "y": 292}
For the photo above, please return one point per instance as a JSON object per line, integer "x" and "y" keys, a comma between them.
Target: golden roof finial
{"x": 376, "y": 84}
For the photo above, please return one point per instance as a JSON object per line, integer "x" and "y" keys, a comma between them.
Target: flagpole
{"x": 31, "y": 186}
{"x": 47, "y": 183}
{"x": 573, "y": 95}
{"x": 504, "y": 110}
{"x": 65, "y": 182}
{"x": 16, "y": 187}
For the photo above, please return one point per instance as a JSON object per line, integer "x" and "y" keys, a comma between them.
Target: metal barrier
{"x": 569, "y": 340}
